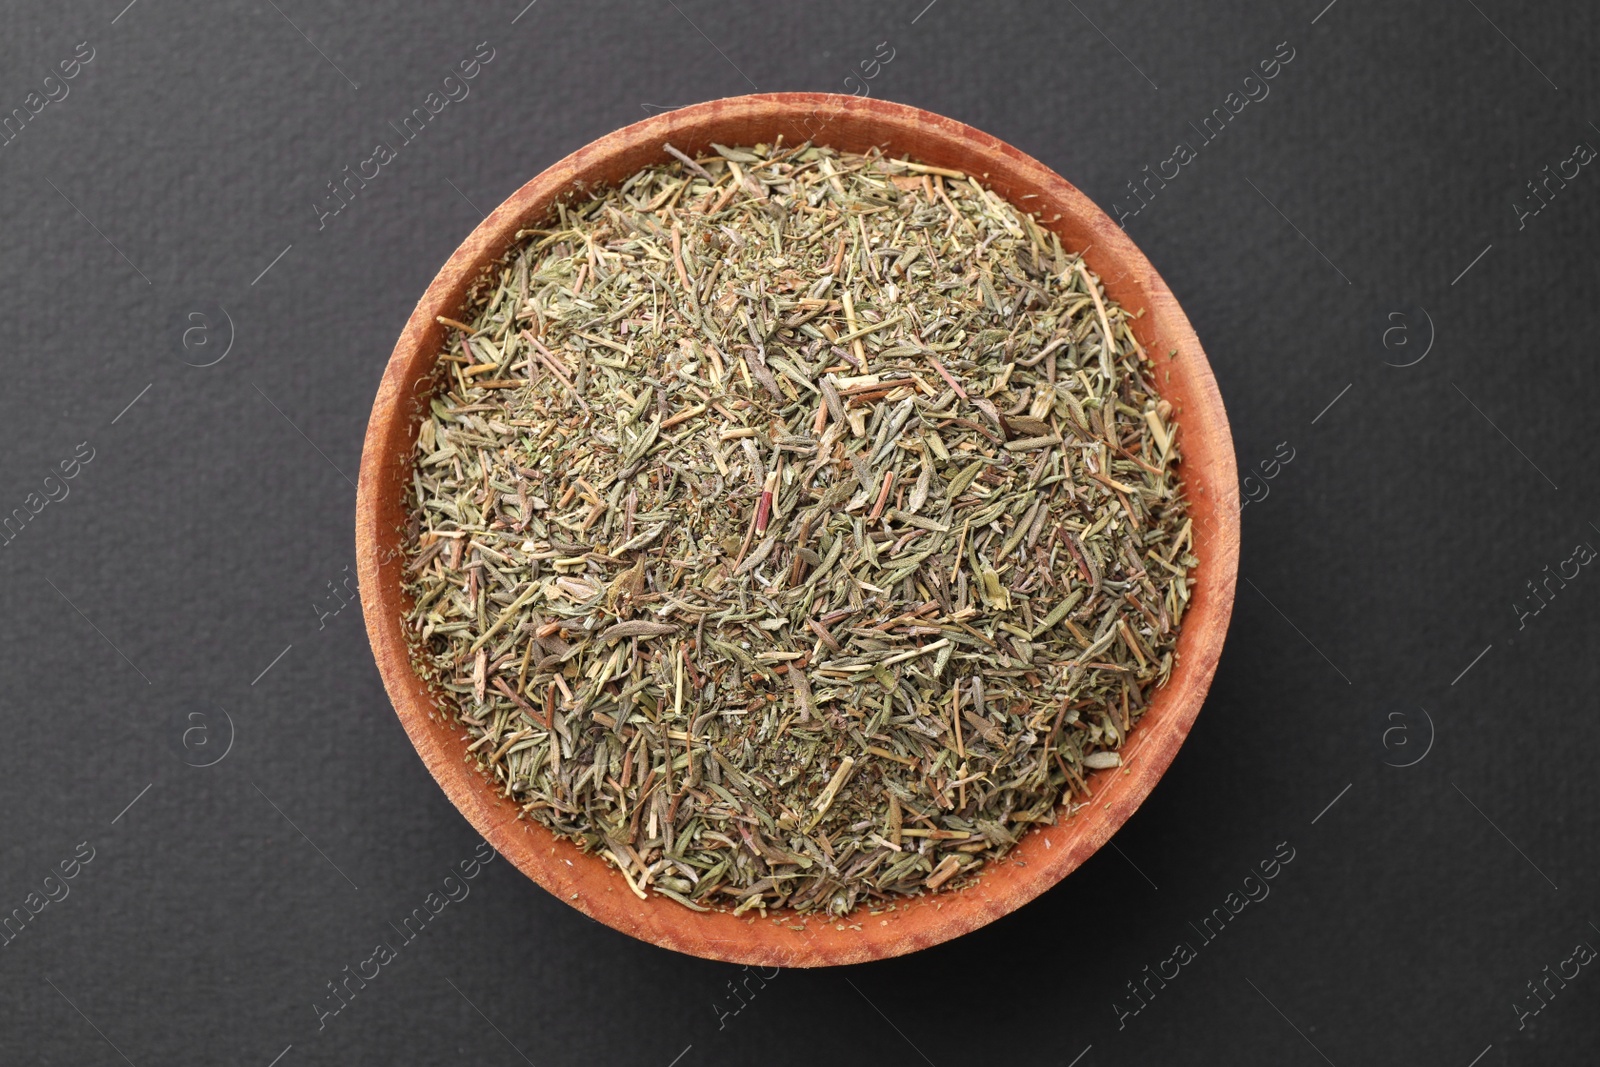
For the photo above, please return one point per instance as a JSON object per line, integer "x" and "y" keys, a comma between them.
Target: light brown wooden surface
{"x": 1045, "y": 855}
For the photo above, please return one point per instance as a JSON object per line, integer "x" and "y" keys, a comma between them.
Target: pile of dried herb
{"x": 795, "y": 528}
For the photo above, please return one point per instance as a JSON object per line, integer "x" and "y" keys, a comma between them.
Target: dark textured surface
{"x": 200, "y": 539}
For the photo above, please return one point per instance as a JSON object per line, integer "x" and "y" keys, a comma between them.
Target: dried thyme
{"x": 794, "y": 528}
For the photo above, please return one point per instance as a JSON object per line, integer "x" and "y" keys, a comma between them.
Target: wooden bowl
{"x": 1045, "y": 854}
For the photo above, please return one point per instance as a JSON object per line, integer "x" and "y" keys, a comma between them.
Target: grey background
{"x": 1375, "y": 619}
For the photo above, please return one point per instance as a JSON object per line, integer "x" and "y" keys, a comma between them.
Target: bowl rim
{"x": 1045, "y": 854}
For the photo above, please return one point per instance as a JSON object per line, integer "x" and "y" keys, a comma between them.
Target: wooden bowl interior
{"x": 1045, "y": 855}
